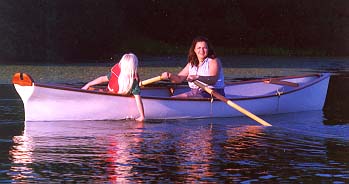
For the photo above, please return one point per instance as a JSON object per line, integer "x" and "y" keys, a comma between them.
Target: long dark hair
{"x": 192, "y": 58}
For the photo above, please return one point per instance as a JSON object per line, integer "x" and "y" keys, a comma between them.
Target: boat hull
{"x": 54, "y": 103}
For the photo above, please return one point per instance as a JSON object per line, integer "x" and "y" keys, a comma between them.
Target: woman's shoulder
{"x": 214, "y": 60}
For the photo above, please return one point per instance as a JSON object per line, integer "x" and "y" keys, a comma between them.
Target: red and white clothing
{"x": 113, "y": 84}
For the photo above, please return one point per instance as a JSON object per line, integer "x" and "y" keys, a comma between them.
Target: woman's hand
{"x": 140, "y": 119}
{"x": 166, "y": 76}
{"x": 86, "y": 87}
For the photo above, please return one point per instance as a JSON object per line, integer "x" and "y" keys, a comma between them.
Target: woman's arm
{"x": 140, "y": 107}
{"x": 177, "y": 78}
{"x": 96, "y": 81}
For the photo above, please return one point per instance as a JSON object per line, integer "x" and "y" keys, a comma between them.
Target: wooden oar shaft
{"x": 230, "y": 103}
{"x": 247, "y": 113}
{"x": 151, "y": 80}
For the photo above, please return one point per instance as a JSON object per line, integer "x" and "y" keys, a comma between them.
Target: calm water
{"x": 308, "y": 147}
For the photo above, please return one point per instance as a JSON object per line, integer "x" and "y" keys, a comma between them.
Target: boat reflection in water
{"x": 22, "y": 158}
{"x": 75, "y": 150}
{"x": 204, "y": 150}
{"x": 115, "y": 151}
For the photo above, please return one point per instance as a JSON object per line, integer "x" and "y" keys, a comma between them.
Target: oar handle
{"x": 230, "y": 103}
{"x": 151, "y": 80}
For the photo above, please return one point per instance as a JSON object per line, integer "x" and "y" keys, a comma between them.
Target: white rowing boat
{"x": 47, "y": 102}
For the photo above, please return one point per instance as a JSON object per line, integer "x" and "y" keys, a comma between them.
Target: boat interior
{"x": 241, "y": 89}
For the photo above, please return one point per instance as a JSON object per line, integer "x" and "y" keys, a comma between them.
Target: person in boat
{"x": 123, "y": 79}
{"x": 202, "y": 65}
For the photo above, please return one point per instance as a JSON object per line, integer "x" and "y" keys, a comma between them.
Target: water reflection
{"x": 120, "y": 154}
{"x": 114, "y": 151}
{"x": 218, "y": 150}
{"x": 21, "y": 157}
{"x": 337, "y": 100}
{"x": 194, "y": 152}
{"x": 75, "y": 151}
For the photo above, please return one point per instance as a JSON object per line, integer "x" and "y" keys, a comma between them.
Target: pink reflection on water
{"x": 21, "y": 156}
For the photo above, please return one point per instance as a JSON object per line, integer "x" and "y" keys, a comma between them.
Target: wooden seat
{"x": 281, "y": 82}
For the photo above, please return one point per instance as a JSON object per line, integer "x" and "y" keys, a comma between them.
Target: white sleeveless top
{"x": 203, "y": 70}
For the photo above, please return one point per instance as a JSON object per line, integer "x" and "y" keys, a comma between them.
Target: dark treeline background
{"x": 77, "y": 30}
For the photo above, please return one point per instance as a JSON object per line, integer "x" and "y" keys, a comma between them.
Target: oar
{"x": 151, "y": 80}
{"x": 230, "y": 103}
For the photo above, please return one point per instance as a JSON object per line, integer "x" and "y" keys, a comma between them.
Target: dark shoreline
{"x": 234, "y": 67}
